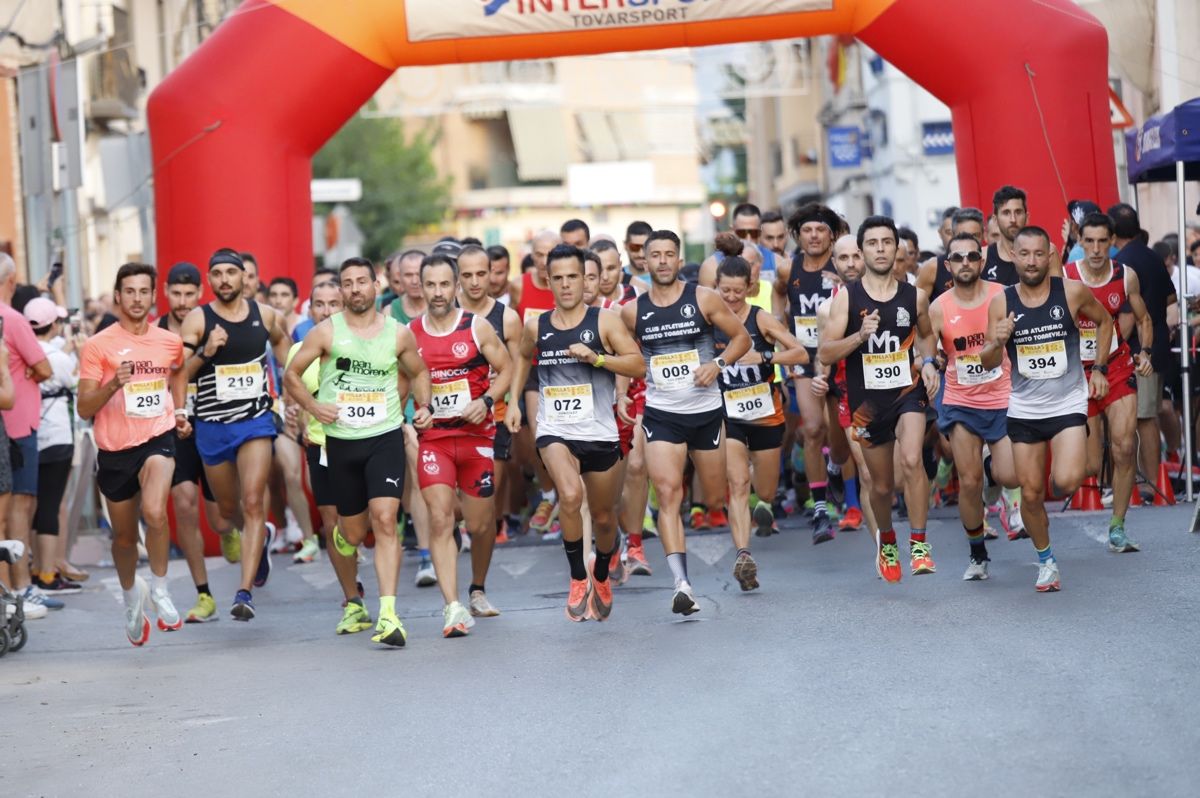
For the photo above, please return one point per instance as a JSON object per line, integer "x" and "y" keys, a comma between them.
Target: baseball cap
{"x": 42, "y": 312}
{"x": 1079, "y": 209}
{"x": 183, "y": 273}
{"x": 449, "y": 248}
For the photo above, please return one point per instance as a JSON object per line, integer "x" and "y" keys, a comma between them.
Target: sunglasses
{"x": 753, "y": 235}
{"x": 970, "y": 257}
{"x": 634, "y": 248}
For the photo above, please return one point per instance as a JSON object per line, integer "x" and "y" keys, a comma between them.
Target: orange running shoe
{"x": 578, "y": 600}
{"x": 636, "y": 557}
{"x": 852, "y": 521}
{"x": 602, "y": 599}
{"x": 717, "y": 519}
{"x": 698, "y": 518}
{"x": 887, "y": 561}
{"x": 922, "y": 558}
{"x": 543, "y": 516}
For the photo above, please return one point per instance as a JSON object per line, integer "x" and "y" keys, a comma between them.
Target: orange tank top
{"x": 964, "y": 332}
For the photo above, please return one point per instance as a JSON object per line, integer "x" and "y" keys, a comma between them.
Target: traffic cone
{"x": 1088, "y": 496}
{"x": 1135, "y": 497}
{"x": 1165, "y": 489}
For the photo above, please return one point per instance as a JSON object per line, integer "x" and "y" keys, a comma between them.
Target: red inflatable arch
{"x": 233, "y": 129}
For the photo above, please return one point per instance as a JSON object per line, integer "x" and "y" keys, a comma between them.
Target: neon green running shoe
{"x": 945, "y": 469}
{"x": 231, "y": 545}
{"x": 204, "y": 611}
{"x": 355, "y": 618}
{"x": 342, "y": 545}
{"x": 390, "y": 631}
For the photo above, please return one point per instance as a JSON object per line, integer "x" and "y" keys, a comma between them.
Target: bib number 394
{"x": 750, "y": 403}
{"x": 1042, "y": 361}
{"x": 450, "y": 399}
{"x": 239, "y": 382}
{"x": 146, "y": 399}
{"x": 885, "y": 371}
{"x": 676, "y": 371}
{"x": 568, "y": 404}
{"x": 360, "y": 409}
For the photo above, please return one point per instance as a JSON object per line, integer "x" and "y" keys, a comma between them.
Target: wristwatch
{"x": 768, "y": 356}
{"x": 488, "y": 401}
{"x": 720, "y": 363}
{"x": 1100, "y": 368}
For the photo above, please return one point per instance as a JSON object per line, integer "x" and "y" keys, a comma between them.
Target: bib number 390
{"x": 886, "y": 371}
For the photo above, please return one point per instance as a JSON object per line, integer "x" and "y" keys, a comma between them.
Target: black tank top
{"x": 736, "y": 376}
{"x": 943, "y": 280}
{"x": 244, "y": 388}
{"x": 495, "y": 317}
{"x": 806, "y": 291}
{"x": 577, "y": 399}
{"x": 884, "y": 368}
{"x": 998, "y": 270}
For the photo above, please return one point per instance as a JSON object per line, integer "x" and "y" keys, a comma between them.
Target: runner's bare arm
{"x": 626, "y": 359}
{"x": 497, "y": 357}
{"x": 779, "y": 298}
{"x": 277, "y": 330}
{"x": 719, "y": 316}
{"x": 93, "y": 395}
{"x": 708, "y": 272}
{"x": 835, "y": 344}
{"x": 512, "y": 340}
{"x": 315, "y": 345}
{"x": 788, "y": 350}
{"x": 629, "y": 315}
{"x": 512, "y": 414}
{"x": 1056, "y": 269}
{"x": 191, "y": 331}
{"x": 1141, "y": 316}
{"x": 927, "y": 344}
{"x": 1082, "y": 302}
{"x": 998, "y": 331}
{"x": 926, "y": 274}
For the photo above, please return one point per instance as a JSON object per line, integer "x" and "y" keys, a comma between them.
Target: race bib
{"x": 750, "y": 403}
{"x": 239, "y": 382}
{"x": 568, "y": 404}
{"x": 361, "y": 409}
{"x": 1087, "y": 344}
{"x": 450, "y": 399}
{"x": 806, "y": 331}
{"x": 190, "y": 403}
{"x": 886, "y": 371}
{"x": 676, "y": 371}
{"x": 146, "y": 399}
{"x": 970, "y": 370}
{"x": 1042, "y": 361}
{"x": 531, "y": 313}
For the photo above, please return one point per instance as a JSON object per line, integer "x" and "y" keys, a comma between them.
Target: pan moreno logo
{"x": 430, "y": 20}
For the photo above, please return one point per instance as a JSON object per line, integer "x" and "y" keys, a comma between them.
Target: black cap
{"x": 449, "y": 248}
{"x": 184, "y": 273}
{"x": 1079, "y": 209}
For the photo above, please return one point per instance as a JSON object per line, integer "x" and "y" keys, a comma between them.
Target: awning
{"x": 540, "y": 141}
{"x": 1153, "y": 149}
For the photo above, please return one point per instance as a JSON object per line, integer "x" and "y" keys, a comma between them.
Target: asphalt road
{"x": 824, "y": 682}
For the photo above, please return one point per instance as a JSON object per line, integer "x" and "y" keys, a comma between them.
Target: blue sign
{"x": 937, "y": 138}
{"x": 845, "y": 147}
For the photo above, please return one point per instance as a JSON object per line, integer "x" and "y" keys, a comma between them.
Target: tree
{"x": 402, "y": 190}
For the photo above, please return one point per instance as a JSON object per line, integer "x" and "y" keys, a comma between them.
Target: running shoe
{"x": 457, "y": 620}
{"x": 976, "y": 571}
{"x": 636, "y": 555}
{"x": 554, "y": 534}
{"x": 480, "y": 606}
{"x": 887, "y": 561}
{"x": 835, "y": 483}
{"x": 11, "y": 550}
{"x": 1010, "y": 519}
{"x": 989, "y": 532}
{"x": 945, "y": 469}
{"x": 204, "y": 611}
{"x": 1118, "y": 542}
{"x": 164, "y": 609}
{"x": 243, "y": 606}
{"x": 649, "y": 524}
{"x": 617, "y": 573}
{"x": 426, "y": 576}
{"x": 57, "y": 585}
{"x": 264, "y": 561}
{"x": 684, "y": 600}
{"x": 231, "y": 546}
{"x": 543, "y": 515}
{"x": 921, "y": 558}
{"x": 33, "y": 595}
{"x": 33, "y": 612}
{"x": 718, "y": 519}
{"x": 355, "y": 619}
{"x": 602, "y": 599}
{"x": 810, "y": 507}
{"x": 745, "y": 571}
{"x": 764, "y": 518}
{"x": 852, "y": 521}
{"x": 822, "y": 528}
{"x": 698, "y": 519}
{"x": 390, "y": 631}
{"x": 502, "y": 534}
{"x": 578, "y": 600}
{"x": 310, "y": 550}
{"x": 137, "y": 625}
{"x": 1048, "y": 578}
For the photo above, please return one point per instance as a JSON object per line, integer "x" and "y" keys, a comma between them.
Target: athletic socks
{"x": 203, "y": 589}
{"x": 916, "y": 535}
{"x": 600, "y": 566}
{"x": 574, "y": 550}
{"x": 635, "y": 540}
{"x": 978, "y": 543}
{"x": 887, "y": 536}
{"x": 387, "y": 605}
{"x": 131, "y": 596}
{"x": 424, "y": 554}
{"x": 550, "y": 496}
{"x": 852, "y": 493}
{"x": 1044, "y": 555}
{"x": 158, "y": 583}
{"x": 475, "y": 587}
{"x": 818, "y": 496}
{"x": 678, "y": 564}
{"x": 740, "y": 552}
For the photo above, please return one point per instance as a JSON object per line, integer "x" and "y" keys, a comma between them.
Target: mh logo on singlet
{"x": 883, "y": 341}
{"x": 807, "y": 305}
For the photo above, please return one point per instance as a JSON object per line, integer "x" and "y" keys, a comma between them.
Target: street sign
{"x": 845, "y": 148}
{"x": 1117, "y": 113}
{"x": 341, "y": 190}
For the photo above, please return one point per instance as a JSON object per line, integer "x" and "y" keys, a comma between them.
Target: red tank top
{"x": 637, "y": 385}
{"x": 1113, "y": 296}
{"x": 459, "y": 373}
{"x": 534, "y": 300}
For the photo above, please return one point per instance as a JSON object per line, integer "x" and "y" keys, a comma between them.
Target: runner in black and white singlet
{"x": 1034, "y": 323}
{"x": 674, "y": 324}
{"x": 934, "y": 276}
{"x": 228, "y": 339}
{"x": 880, "y": 327}
{"x": 806, "y": 282}
{"x": 579, "y": 351}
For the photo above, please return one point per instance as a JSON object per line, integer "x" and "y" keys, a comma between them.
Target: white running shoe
{"x": 137, "y": 625}
{"x": 480, "y": 606}
{"x": 11, "y": 550}
{"x": 684, "y": 600}
{"x": 164, "y": 608}
{"x": 33, "y": 612}
{"x": 977, "y": 571}
{"x": 1048, "y": 579}
{"x": 426, "y": 576}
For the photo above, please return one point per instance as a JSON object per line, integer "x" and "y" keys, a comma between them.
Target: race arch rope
{"x": 234, "y": 127}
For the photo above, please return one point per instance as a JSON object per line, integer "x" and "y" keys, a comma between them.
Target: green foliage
{"x": 402, "y": 191}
